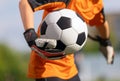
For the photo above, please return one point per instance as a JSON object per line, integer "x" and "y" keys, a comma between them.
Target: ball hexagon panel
{"x": 64, "y": 22}
{"x": 52, "y": 17}
{"x": 68, "y": 13}
{"x": 53, "y": 32}
{"x": 69, "y": 36}
{"x": 76, "y": 24}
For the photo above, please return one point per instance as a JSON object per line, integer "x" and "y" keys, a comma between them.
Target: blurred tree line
{"x": 13, "y": 64}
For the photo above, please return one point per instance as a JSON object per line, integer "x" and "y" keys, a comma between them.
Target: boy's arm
{"x": 26, "y": 13}
{"x": 28, "y": 22}
{"x": 31, "y": 36}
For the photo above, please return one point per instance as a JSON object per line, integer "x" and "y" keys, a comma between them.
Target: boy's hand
{"x": 51, "y": 54}
{"x": 108, "y": 52}
{"x": 30, "y": 36}
{"x": 43, "y": 47}
{"x": 106, "y": 48}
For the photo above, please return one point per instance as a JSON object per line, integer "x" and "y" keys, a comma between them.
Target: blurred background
{"x": 14, "y": 52}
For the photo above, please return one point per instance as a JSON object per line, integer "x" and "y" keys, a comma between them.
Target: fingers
{"x": 110, "y": 57}
{"x": 46, "y": 43}
{"x": 48, "y": 55}
{"x": 108, "y": 53}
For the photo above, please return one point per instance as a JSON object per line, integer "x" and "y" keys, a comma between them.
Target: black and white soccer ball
{"x": 67, "y": 28}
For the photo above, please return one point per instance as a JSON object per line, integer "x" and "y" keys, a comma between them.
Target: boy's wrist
{"x": 30, "y": 36}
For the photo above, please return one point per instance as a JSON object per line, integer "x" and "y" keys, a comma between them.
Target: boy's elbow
{"x": 22, "y": 3}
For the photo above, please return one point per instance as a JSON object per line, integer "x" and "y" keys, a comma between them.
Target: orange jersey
{"x": 62, "y": 68}
{"x": 42, "y": 68}
{"x": 90, "y": 10}
{"x": 86, "y": 8}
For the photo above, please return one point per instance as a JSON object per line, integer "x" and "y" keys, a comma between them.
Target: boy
{"x": 61, "y": 69}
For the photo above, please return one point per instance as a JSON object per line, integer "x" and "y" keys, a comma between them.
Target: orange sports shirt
{"x": 62, "y": 68}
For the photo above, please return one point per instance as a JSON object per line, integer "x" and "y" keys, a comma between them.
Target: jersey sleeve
{"x": 47, "y": 4}
{"x": 88, "y": 8}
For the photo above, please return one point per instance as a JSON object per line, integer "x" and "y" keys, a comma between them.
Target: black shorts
{"x": 75, "y": 78}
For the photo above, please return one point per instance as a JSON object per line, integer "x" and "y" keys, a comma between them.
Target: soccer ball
{"x": 67, "y": 28}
